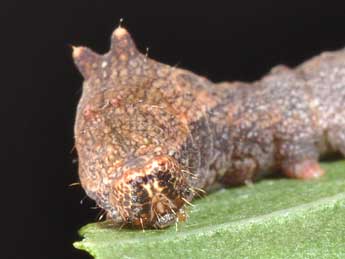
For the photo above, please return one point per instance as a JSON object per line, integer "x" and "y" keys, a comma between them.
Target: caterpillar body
{"x": 149, "y": 136}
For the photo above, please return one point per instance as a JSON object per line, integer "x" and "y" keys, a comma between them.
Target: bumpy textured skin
{"x": 150, "y": 136}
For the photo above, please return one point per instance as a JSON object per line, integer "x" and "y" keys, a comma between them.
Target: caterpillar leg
{"x": 336, "y": 137}
{"x": 300, "y": 160}
{"x": 242, "y": 172}
{"x": 305, "y": 169}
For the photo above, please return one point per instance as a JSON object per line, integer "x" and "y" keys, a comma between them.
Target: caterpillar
{"x": 150, "y": 137}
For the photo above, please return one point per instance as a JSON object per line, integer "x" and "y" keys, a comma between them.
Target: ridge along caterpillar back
{"x": 150, "y": 136}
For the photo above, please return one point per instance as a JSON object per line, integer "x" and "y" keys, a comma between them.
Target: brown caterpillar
{"x": 150, "y": 136}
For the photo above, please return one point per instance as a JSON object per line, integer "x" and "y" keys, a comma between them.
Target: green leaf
{"x": 274, "y": 218}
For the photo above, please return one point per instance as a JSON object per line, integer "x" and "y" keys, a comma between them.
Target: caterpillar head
{"x": 129, "y": 133}
{"x": 150, "y": 193}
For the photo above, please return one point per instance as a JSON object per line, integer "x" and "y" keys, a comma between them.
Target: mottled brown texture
{"x": 150, "y": 136}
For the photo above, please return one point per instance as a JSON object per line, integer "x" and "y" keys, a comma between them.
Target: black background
{"x": 40, "y": 87}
